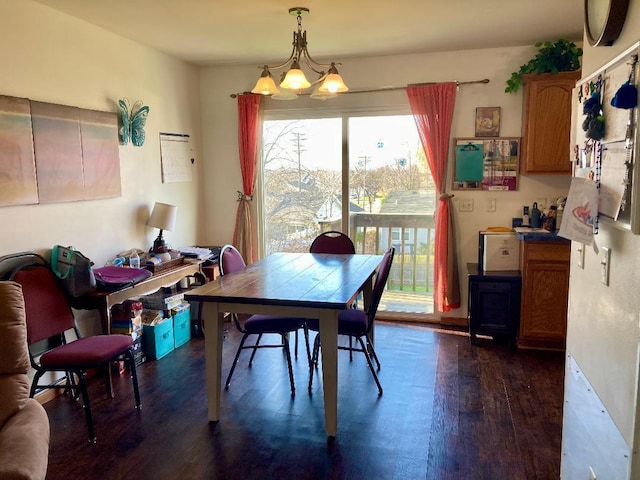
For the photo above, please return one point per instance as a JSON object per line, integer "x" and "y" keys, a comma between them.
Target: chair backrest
{"x": 47, "y": 310}
{"x": 332, "y": 242}
{"x": 380, "y": 283}
{"x": 12, "y": 262}
{"x": 230, "y": 260}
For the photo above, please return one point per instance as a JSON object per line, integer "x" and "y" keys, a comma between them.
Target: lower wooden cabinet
{"x": 545, "y": 292}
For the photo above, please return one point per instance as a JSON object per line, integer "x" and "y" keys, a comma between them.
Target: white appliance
{"x": 498, "y": 251}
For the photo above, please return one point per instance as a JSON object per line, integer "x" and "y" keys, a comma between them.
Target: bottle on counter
{"x": 535, "y": 216}
{"x": 525, "y": 216}
{"x": 134, "y": 259}
{"x": 549, "y": 222}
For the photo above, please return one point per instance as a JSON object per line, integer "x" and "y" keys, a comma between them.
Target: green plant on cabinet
{"x": 552, "y": 57}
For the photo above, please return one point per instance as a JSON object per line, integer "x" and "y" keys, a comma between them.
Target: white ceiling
{"x": 223, "y": 32}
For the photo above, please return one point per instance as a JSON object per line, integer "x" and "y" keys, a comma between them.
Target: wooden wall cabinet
{"x": 545, "y": 292}
{"x": 546, "y": 123}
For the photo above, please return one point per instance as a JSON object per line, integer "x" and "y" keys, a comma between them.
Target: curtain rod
{"x": 386, "y": 89}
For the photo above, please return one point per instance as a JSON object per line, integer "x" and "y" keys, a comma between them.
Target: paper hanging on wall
{"x": 612, "y": 175}
{"x": 177, "y": 158}
{"x": 580, "y": 211}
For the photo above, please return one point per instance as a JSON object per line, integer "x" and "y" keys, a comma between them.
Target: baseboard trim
{"x": 48, "y": 395}
{"x": 454, "y": 321}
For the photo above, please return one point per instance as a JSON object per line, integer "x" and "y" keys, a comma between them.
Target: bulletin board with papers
{"x": 608, "y": 157}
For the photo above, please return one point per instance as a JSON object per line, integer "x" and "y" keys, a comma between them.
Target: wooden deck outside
{"x": 406, "y": 302}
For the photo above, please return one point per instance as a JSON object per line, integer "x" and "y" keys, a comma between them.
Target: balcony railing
{"x": 411, "y": 278}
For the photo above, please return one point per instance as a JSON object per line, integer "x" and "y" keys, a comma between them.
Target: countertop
{"x": 539, "y": 235}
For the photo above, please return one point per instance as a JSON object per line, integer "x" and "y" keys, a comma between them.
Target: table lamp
{"x": 163, "y": 217}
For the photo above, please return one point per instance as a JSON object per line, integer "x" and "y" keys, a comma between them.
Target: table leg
{"x": 213, "y": 327}
{"x": 329, "y": 342}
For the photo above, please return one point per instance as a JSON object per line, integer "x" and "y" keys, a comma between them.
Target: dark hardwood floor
{"x": 449, "y": 411}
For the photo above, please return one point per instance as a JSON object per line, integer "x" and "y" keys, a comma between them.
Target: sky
{"x": 382, "y": 140}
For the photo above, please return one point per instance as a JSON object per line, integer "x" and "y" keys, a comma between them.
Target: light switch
{"x": 604, "y": 265}
{"x": 491, "y": 205}
{"x": 581, "y": 249}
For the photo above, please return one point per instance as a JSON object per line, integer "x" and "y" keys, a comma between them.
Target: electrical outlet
{"x": 604, "y": 265}
{"x": 465, "y": 205}
{"x": 581, "y": 249}
{"x": 491, "y": 205}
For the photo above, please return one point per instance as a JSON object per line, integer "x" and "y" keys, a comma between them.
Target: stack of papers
{"x": 530, "y": 230}
{"x": 196, "y": 252}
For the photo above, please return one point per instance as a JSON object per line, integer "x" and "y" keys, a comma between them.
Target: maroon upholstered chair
{"x": 231, "y": 261}
{"x": 357, "y": 324}
{"x": 49, "y": 323}
{"x": 332, "y": 242}
{"x": 335, "y": 242}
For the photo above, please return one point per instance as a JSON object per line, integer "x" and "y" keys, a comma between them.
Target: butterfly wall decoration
{"x": 133, "y": 118}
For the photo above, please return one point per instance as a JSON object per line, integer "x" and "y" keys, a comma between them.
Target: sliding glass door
{"x": 364, "y": 175}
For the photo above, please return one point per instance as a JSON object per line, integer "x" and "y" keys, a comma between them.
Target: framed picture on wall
{"x": 487, "y": 121}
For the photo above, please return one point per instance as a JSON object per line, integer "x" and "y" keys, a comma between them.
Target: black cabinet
{"x": 494, "y": 304}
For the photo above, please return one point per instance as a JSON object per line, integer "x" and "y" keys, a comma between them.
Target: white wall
{"x": 52, "y": 57}
{"x": 603, "y": 328}
{"x": 220, "y": 126}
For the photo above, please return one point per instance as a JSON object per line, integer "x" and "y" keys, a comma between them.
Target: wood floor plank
{"x": 450, "y": 410}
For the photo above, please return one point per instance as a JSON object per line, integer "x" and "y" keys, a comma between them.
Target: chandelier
{"x": 328, "y": 84}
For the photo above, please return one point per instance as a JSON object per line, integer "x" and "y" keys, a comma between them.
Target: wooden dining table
{"x": 307, "y": 285}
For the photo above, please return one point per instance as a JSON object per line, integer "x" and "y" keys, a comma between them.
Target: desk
{"x": 103, "y": 301}
{"x": 291, "y": 284}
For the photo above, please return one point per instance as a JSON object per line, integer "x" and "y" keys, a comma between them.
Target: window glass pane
{"x": 302, "y": 167}
{"x": 391, "y": 183}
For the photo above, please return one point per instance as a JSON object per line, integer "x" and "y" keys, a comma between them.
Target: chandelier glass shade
{"x": 329, "y": 81}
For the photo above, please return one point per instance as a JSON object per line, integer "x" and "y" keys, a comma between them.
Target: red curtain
{"x": 248, "y": 114}
{"x": 432, "y": 108}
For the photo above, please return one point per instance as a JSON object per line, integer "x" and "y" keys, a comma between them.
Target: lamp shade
{"x": 295, "y": 78}
{"x": 333, "y": 82}
{"x": 265, "y": 84}
{"x": 163, "y": 216}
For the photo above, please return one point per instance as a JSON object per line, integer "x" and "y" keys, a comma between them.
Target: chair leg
{"x": 106, "y": 371}
{"x": 235, "y": 360}
{"x": 373, "y": 372}
{"x": 255, "y": 349}
{"x": 288, "y": 353}
{"x": 306, "y": 342}
{"x": 82, "y": 383}
{"x": 34, "y": 384}
{"x": 372, "y": 351}
{"x": 72, "y": 388}
{"x": 316, "y": 346}
{"x": 134, "y": 376}
{"x": 314, "y": 360}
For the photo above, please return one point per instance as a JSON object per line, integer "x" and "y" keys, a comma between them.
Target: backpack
{"x": 74, "y": 270}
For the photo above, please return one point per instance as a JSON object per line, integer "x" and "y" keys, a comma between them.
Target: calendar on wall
{"x": 177, "y": 157}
